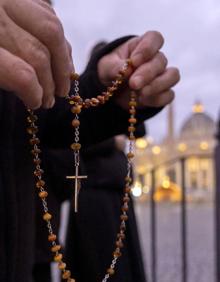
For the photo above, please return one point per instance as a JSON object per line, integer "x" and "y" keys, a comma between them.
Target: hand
{"x": 151, "y": 78}
{"x": 35, "y": 58}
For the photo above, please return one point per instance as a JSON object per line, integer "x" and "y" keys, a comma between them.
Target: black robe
{"x": 17, "y": 192}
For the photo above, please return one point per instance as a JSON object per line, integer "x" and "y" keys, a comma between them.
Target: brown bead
{"x": 58, "y": 258}
{"x": 131, "y": 129}
{"x": 62, "y": 265}
{"x": 43, "y": 194}
{"x": 76, "y": 98}
{"x": 128, "y": 179}
{"x": 52, "y": 237}
{"x": 132, "y": 120}
{"x": 71, "y": 102}
{"x": 66, "y": 274}
{"x": 122, "y": 72}
{"x": 76, "y": 109}
{"x": 35, "y": 151}
{"x": 117, "y": 254}
{"x": 126, "y": 199}
{"x": 87, "y": 103}
{"x": 37, "y": 161}
{"x": 110, "y": 271}
{"x": 119, "y": 244}
{"x": 111, "y": 89}
{"x": 75, "y": 146}
{"x": 38, "y": 172}
{"x": 47, "y": 216}
{"x": 40, "y": 183}
{"x": 127, "y": 189}
{"x": 75, "y": 123}
{"x": 129, "y": 62}
{"x": 101, "y": 99}
{"x": 106, "y": 95}
{"x": 130, "y": 155}
{"x": 131, "y": 137}
{"x": 124, "y": 217}
{"x": 94, "y": 102}
{"x": 56, "y": 248}
{"x": 74, "y": 76}
{"x": 32, "y": 118}
{"x": 132, "y": 103}
{"x": 125, "y": 208}
{"x": 34, "y": 141}
{"x": 32, "y": 130}
{"x": 132, "y": 111}
{"x": 121, "y": 236}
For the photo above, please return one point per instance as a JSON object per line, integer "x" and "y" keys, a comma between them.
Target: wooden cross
{"x": 77, "y": 179}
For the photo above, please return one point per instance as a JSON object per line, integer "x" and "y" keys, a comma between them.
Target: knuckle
{"x": 41, "y": 60}
{"x": 25, "y": 78}
{"x": 54, "y": 30}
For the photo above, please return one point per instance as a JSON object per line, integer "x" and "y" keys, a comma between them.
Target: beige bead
{"x": 130, "y": 155}
{"x": 43, "y": 194}
{"x": 58, "y": 258}
{"x": 110, "y": 271}
{"x": 47, "y": 216}
{"x": 52, "y": 237}
{"x": 56, "y": 248}
{"x": 66, "y": 274}
{"x": 76, "y": 146}
{"x": 62, "y": 265}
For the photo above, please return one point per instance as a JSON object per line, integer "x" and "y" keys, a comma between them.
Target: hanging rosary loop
{"x": 77, "y": 105}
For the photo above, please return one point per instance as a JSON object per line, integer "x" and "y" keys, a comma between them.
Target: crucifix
{"x": 77, "y": 179}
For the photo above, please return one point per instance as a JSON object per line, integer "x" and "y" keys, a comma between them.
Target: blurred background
{"x": 175, "y": 188}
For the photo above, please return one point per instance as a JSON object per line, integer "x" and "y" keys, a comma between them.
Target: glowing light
{"x": 156, "y": 150}
{"x": 182, "y": 147}
{"x": 141, "y": 143}
{"x": 204, "y": 145}
{"x": 146, "y": 189}
{"x": 166, "y": 183}
{"x": 137, "y": 189}
{"x": 198, "y": 108}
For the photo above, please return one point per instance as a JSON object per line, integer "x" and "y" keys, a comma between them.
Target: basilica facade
{"x": 194, "y": 145}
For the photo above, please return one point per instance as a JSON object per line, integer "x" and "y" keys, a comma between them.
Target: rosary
{"x": 77, "y": 105}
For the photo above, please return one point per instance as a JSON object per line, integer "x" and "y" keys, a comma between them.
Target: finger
{"x": 35, "y": 54}
{"x": 19, "y": 77}
{"x": 157, "y": 100}
{"x": 45, "y": 26}
{"x": 147, "y": 72}
{"x": 148, "y": 46}
{"x": 163, "y": 82}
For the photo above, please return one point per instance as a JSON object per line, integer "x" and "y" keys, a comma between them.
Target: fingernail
{"x": 137, "y": 81}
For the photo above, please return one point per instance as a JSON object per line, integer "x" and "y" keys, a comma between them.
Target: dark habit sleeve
{"x": 97, "y": 124}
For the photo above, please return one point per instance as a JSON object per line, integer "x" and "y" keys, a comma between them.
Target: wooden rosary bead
{"x": 32, "y": 130}
{"x": 130, "y": 155}
{"x": 121, "y": 236}
{"x": 76, "y": 98}
{"x": 58, "y": 258}
{"x": 127, "y": 190}
{"x": 32, "y": 118}
{"x": 132, "y": 103}
{"x": 131, "y": 129}
{"x": 75, "y": 123}
{"x": 37, "y": 161}
{"x": 126, "y": 199}
{"x": 132, "y": 120}
{"x": 119, "y": 244}
{"x": 101, "y": 99}
{"x": 35, "y": 151}
{"x": 34, "y": 141}
{"x": 71, "y": 280}
{"x": 76, "y": 109}
{"x": 131, "y": 137}
{"x": 40, "y": 183}
{"x": 110, "y": 271}
{"x": 47, "y": 216}
{"x": 74, "y": 76}
{"x": 129, "y": 62}
{"x": 52, "y": 237}
{"x": 124, "y": 217}
{"x": 116, "y": 254}
{"x": 66, "y": 274}
{"x": 125, "y": 208}
{"x": 76, "y": 146}
{"x": 56, "y": 248}
{"x": 94, "y": 102}
{"x": 38, "y": 172}
{"x": 132, "y": 111}
{"x": 43, "y": 194}
{"x": 62, "y": 265}
{"x": 128, "y": 179}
